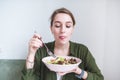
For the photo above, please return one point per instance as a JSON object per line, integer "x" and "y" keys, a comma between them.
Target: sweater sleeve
{"x": 37, "y": 72}
{"x": 91, "y": 67}
{"x": 28, "y": 74}
{"x": 32, "y": 74}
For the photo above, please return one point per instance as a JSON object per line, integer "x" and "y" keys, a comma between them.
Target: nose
{"x": 62, "y": 29}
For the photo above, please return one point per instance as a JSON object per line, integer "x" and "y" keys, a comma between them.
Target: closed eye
{"x": 68, "y": 26}
{"x": 57, "y": 26}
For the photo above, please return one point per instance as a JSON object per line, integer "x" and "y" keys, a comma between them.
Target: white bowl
{"x": 58, "y": 67}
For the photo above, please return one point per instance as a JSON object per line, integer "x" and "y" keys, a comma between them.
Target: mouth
{"x": 62, "y": 37}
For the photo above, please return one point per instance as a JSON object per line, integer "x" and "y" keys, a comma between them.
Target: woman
{"x": 62, "y": 27}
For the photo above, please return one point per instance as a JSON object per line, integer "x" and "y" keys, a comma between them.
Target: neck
{"x": 62, "y": 46}
{"x": 61, "y": 49}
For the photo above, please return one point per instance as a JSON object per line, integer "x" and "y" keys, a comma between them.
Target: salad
{"x": 63, "y": 61}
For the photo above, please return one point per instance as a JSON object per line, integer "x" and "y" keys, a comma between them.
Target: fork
{"x": 48, "y": 51}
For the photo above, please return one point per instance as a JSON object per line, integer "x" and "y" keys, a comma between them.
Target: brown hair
{"x": 61, "y": 10}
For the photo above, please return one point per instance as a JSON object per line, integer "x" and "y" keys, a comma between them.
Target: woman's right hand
{"x": 34, "y": 43}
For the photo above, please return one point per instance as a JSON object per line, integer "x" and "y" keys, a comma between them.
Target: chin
{"x": 64, "y": 42}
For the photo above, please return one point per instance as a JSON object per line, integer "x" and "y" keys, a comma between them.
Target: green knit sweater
{"x": 41, "y": 72}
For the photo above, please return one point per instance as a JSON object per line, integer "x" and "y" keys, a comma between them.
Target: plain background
{"x": 97, "y": 27}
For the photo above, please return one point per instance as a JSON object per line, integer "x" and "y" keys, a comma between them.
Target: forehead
{"x": 63, "y": 17}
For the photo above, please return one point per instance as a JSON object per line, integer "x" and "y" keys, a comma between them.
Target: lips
{"x": 62, "y": 37}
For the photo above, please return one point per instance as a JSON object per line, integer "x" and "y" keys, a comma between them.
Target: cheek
{"x": 55, "y": 32}
{"x": 70, "y": 32}
{"x": 52, "y": 30}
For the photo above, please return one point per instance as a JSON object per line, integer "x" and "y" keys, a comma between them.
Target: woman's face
{"x": 62, "y": 28}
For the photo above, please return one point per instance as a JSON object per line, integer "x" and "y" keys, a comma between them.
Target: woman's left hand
{"x": 76, "y": 70}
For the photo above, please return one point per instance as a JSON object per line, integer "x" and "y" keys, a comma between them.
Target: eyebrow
{"x": 60, "y": 22}
{"x": 57, "y": 22}
{"x": 69, "y": 22}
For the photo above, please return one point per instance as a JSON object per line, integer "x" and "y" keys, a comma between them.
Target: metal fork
{"x": 48, "y": 51}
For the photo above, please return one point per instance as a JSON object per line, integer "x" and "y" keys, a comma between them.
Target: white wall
{"x": 97, "y": 27}
{"x": 112, "y": 41}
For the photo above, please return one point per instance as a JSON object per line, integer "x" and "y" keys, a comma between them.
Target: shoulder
{"x": 79, "y": 50}
{"x": 78, "y": 45}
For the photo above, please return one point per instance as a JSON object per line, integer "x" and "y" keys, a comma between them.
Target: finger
{"x": 36, "y": 40}
{"x": 37, "y": 36}
{"x": 36, "y": 43}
